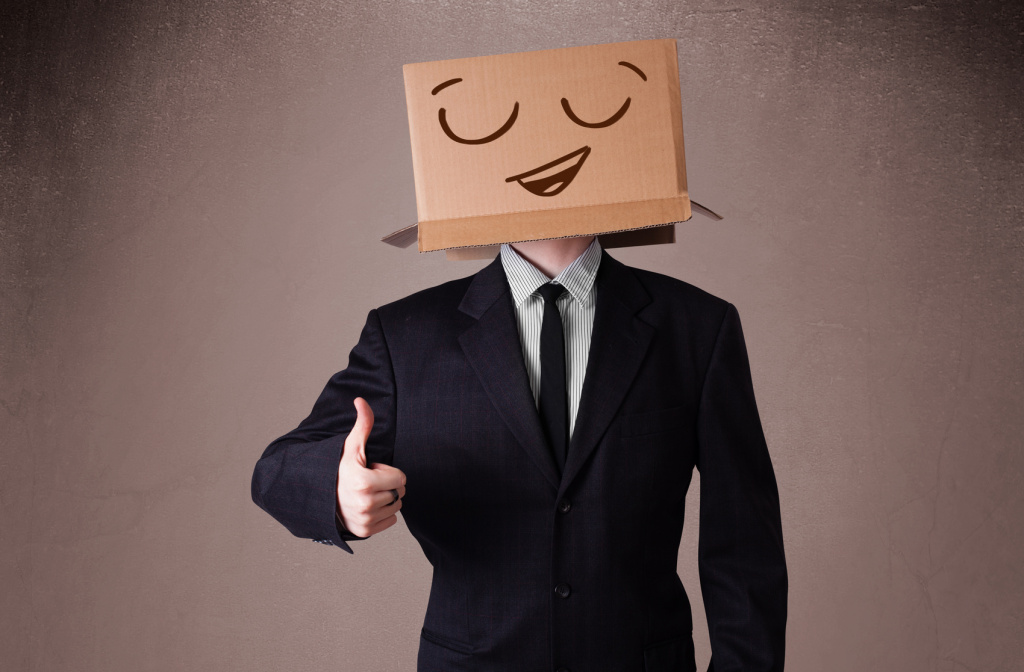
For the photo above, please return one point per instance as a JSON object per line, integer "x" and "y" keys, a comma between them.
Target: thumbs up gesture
{"x": 364, "y": 492}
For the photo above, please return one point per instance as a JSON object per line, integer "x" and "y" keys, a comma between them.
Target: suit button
{"x": 562, "y": 590}
{"x": 564, "y": 506}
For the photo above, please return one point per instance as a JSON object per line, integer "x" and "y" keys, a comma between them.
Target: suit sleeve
{"x": 740, "y": 556}
{"x": 296, "y": 479}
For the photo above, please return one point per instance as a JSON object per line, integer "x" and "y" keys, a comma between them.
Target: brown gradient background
{"x": 192, "y": 196}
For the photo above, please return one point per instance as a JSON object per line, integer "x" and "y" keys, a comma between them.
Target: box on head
{"x": 547, "y": 144}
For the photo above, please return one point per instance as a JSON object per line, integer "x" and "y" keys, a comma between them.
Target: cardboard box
{"x": 547, "y": 144}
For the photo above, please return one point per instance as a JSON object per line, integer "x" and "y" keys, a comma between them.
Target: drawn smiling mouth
{"x": 551, "y": 183}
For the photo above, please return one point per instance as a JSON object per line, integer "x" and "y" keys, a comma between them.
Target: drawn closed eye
{"x": 615, "y": 117}
{"x": 441, "y": 116}
{"x": 597, "y": 124}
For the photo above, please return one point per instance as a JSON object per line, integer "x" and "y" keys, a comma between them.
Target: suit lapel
{"x": 493, "y": 349}
{"x": 617, "y": 347}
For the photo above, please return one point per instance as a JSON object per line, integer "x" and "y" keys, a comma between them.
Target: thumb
{"x": 355, "y": 443}
{"x": 388, "y": 470}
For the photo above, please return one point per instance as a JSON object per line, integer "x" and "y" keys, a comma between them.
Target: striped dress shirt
{"x": 576, "y": 307}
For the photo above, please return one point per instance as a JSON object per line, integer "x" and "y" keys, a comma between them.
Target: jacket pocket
{"x": 445, "y": 642}
{"x": 673, "y": 655}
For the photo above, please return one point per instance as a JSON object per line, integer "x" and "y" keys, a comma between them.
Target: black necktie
{"x": 554, "y": 402}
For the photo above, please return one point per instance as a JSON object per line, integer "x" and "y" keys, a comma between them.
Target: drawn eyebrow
{"x": 440, "y": 86}
{"x": 634, "y": 69}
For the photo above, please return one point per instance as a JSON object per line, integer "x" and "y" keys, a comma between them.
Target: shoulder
{"x": 675, "y": 297}
{"x": 448, "y": 293}
{"x": 426, "y": 309}
{"x": 667, "y": 288}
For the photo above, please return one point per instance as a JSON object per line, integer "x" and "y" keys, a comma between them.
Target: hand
{"x": 364, "y": 493}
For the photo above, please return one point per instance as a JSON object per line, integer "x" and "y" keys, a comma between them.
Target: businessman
{"x": 537, "y": 425}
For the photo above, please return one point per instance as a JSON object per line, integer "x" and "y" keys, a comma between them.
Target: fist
{"x": 364, "y": 492}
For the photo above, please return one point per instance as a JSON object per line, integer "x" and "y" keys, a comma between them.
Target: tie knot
{"x": 551, "y": 292}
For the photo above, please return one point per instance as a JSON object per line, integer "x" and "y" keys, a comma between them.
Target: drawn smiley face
{"x": 553, "y": 177}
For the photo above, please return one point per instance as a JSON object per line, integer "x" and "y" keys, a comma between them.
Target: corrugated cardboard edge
{"x": 672, "y": 61}
{"x": 707, "y": 212}
{"x": 584, "y": 220}
{"x": 417, "y": 162}
{"x": 408, "y": 235}
{"x": 651, "y": 235}
{"x": 404, "y": 237}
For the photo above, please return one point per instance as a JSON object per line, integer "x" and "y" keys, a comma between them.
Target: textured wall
{"x": 192, "y": 195}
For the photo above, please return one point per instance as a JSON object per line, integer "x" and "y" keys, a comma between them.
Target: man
{"x": 550, "y": 552}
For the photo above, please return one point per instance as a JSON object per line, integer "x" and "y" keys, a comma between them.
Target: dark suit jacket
{"x": 538, "y": 572}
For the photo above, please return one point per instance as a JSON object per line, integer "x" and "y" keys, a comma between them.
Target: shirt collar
{"x": 578, "y": 277}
